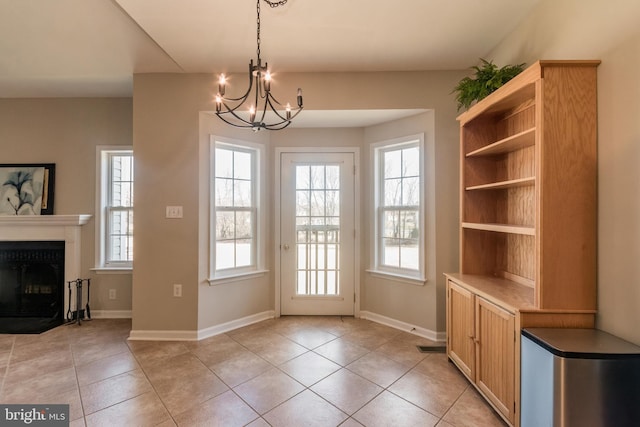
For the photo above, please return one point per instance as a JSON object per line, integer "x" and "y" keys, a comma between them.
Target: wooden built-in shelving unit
{"x": 528, "y": 222}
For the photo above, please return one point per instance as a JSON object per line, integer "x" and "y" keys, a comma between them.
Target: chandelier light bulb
{"x": 222, "y": 81}
{"x": 252, "y": 113}
{"x": 288, "y": 111}
{"x": 267, "y": 80}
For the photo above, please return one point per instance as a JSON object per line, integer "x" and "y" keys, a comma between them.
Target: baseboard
{"x": 111, "y": 314}
{"x": 163, "y": 336}
{"x": 235, "y": 324}
{"x": 200, "y": 334}
{"x": 403, "y": 326}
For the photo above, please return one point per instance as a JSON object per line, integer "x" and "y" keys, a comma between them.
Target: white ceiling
{"x": 92, "y": 48}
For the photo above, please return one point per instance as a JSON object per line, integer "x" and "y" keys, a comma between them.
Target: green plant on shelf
{"x": 488, "y": 77}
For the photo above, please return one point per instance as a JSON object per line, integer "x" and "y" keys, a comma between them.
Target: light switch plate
{"x": 174, "y": 212}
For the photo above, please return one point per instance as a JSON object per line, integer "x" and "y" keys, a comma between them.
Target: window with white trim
{"x": 235, "y": 219}
{"x": 399, "y": 247}
{"x": 114, "y": 213}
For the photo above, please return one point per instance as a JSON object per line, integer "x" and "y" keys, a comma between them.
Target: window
{"x": 114, "y": 213}
{"x": 235, "y": 209}
{"x": 399, "y": 195}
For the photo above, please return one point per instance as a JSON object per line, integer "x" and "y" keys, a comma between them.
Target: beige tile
{"x": 77, "y": 423}
{"x": 438, "y": 366}
{"x": 311, "y": 337}
{"x": 183, "y": 382}
{"x": 280, "y": 351}
{"x": 351, "y": 423}
{"x": 41, "y": 385}
{"x": 428, "y": 393}
{"x": 366, "y": 338}
{"x": 215, "y": 352}
{"x": 390, "y": 410}
{"x": 259, "y": 422}
{"x": 226, "y": 410}
{"x": 268, "y": 390}
{"x": 108, "y": 392}
{"x": 35, "y": 367}
{"x": 158, "y": 351}
{"x": 6, "y": 342}
{"x": 402, "y": 351}
{"x": 305, "y": 409}
{"x": 241, "y": 368}
{"x": 256, "y": 338}
{"x": 309, "y": 368}
{"x": 341, "y": 351}
{"x": 143, "y": 410}
{"x": 471, "y": 410}
{"x": 87, "y": 353}
{"x": 378, "y": 369}
{"x": 34, "y": 351}
{"x": 106, "y": 367}
{"x": 346, "y": 390}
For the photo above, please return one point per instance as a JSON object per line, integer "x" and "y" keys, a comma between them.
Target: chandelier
{"x": 261, "y": 109}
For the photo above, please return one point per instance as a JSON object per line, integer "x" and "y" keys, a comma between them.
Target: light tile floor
{"x": 291, "y": 371}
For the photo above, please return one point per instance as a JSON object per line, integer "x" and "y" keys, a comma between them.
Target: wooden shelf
{"x": 513, "y": 183}
{"x": 507, "y": 145}
{"x": 501, "y": 228}
{"x": 511, "y": 295}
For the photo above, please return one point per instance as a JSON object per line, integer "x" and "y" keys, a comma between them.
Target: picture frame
{"x": 48, "y": 190}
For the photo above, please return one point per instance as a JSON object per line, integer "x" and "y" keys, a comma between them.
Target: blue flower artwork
{"x": 21, "y": 190}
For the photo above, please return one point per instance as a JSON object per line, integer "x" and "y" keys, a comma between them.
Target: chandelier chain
{"x": 272, "y": 4}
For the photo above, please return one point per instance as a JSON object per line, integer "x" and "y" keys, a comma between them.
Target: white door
{"x": 317, "y": 233}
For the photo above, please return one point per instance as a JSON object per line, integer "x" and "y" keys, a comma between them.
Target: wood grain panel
{"x": 460, "y": 328}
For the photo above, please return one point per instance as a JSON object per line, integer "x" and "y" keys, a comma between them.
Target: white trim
{"x": 403, "y": 326}
{"x": 111, "y": 314}
{"x": 416, "y": 281}
{"x": 101, "y": 194}
{"x": 200, "y": 334}
{"x": 376, "y": 148}
{"x": 236, "y": 277}
{"x": 235, "y": 324}
{"x": 112, "y": 270}
{"x": 258, "y": 151}
{"x": 163, "y": 336}
{"x": 276, "y": 240}
{"x": 44, "y": 220}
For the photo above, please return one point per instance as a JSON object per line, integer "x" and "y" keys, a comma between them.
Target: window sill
{"x": 112, "y": 270}
{"x": 236, "y": 277}
{"x": 411, "y": 280}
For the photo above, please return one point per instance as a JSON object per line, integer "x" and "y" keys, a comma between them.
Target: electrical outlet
{"x": 177, "y": 290}
{"x": 112, "y": 294}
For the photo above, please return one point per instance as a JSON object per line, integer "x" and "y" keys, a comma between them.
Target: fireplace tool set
{"x": 78, "y": 315}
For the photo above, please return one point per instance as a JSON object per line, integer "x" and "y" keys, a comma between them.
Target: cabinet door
{"x": 460, "y": 318}
{"x": 495, "y": 348}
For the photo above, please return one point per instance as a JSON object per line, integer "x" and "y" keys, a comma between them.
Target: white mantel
{"x": 49, "y": 228}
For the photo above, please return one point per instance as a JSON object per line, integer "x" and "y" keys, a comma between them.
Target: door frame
{"x": 277, "y": 216}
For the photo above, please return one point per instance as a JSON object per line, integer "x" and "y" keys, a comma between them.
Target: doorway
{"x": 317, "y": 233}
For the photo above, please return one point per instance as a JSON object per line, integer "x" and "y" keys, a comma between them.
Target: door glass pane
{"x": 318, "y": 229}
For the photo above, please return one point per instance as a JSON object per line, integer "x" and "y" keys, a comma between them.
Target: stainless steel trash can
{"x": 578, "y": 378}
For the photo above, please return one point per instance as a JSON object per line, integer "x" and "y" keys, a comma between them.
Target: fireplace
{"x": 31, "y": 285}
{"x": 46, "y": 255}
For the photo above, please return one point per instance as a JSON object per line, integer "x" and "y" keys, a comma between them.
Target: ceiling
{"x": 92, "y": 48}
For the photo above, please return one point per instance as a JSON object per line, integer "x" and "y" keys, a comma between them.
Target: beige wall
{"x": 66, "y": 132}
{"x": 578, "y": 29}
{"x": 170, "y": 143}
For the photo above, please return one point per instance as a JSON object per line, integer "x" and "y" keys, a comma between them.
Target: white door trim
{"x": 276, "y": 238}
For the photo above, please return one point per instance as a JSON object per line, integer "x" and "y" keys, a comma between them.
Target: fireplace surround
{"x": 63, "y": 229}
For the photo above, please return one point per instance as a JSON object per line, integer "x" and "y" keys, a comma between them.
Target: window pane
{"x": 244, "y": 227}
{"x": 302, "y": 177}
{"x": 225, "y": 226}
{"x": 409, "y": 253}
{"x": 411, "y": 191}
{"x": 224, "y": 192}
{"x": 243, "y": 252}
{"x": 224, "y": 254}
{"x": 120, "y": 236}
{"x": 332, "y": 203}
{"x": 390, "y": 252}
{"x": 317, "y": 177}
{"x": 411, "y": 162}
{"x": 392, "y": 192}
{"x": 224, "y": 163}
{"x": 317, "y": 203}
{"x": 242, "y": 165}
{"x": 392, "y": 164}
{"x": 302, "y": 203}
{"x": 242, "y": 193}
{"x": 391, "y": 221}
{"x": 333, "y": 177}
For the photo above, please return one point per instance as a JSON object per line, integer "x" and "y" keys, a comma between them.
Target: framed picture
{"x": 27, "y": 188}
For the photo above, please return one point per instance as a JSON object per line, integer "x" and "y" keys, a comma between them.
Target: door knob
{"x": 285, "y": 247}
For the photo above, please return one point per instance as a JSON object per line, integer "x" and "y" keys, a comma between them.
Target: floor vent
{"x": 432, "y": 348}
